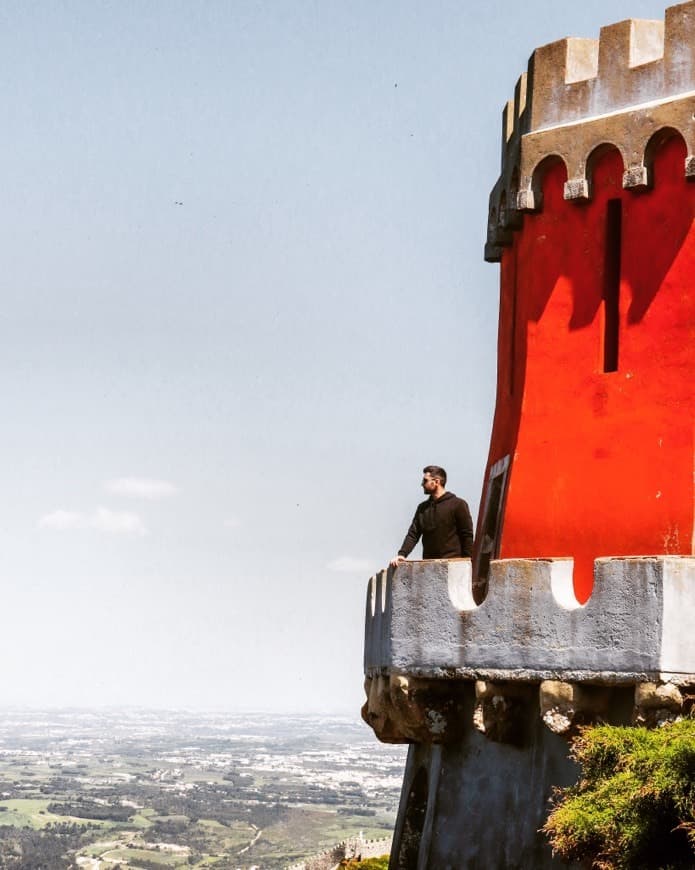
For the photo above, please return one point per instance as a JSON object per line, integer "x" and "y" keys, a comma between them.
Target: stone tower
{"x": 580, "y": 602}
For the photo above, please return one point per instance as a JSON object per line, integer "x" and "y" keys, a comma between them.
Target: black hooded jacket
{"x": 445, "y": 526}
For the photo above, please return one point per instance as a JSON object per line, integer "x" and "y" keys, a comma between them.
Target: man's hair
{"x": 435, "y": 471}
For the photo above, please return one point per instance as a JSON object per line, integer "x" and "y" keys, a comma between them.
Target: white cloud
{"x": 63, "y": 520}
{"x": 232, "y": 522}
{"x": 118, "y": 522}
{"x": 102, "y": 519}
{"x": 350, "y": 565}
{"x": 141, "y": 487}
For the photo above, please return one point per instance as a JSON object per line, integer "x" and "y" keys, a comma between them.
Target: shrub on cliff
{"x": 634, "y": 805}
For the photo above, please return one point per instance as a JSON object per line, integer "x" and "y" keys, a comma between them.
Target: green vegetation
{"x": 35, "y": 814}
{"x": 634, "y": 806}
{"x": 145, "y": 858}
{"x": 381, "y": 863}
{"x": 85, "y": 809}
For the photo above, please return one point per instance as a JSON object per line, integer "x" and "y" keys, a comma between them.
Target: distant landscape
{"x": 103, "y": 789}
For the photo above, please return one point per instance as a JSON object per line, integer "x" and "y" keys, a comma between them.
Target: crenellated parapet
{"x": 426, "y": 637}
{"x": 626, "y": 89}
{"x": 422, "y": 621}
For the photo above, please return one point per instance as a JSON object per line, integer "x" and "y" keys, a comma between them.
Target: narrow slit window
{"x": 611, "y": 287}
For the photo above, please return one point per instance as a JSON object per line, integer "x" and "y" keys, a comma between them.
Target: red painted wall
{"x": 602, "y": 462}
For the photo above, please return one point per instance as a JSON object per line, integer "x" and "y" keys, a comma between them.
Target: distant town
{"x": 106, "y": 789}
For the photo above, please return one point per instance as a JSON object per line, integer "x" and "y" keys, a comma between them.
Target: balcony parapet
{"x": 426, "y": 639}
{"x": 422, "y": 621}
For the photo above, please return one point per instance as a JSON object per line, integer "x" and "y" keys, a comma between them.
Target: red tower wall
{"x": 602, "y": 462}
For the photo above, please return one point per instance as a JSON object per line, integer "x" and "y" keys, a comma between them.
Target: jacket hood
{"x": 446, "y": 496}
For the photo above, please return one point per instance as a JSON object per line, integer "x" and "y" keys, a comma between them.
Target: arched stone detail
{"x": 530, "y": 197}
{"x": 579, "y": 187}
{"x": 656, "y": 141}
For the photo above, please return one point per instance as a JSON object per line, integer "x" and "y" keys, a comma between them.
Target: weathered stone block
{"x": 653, "y": 696}
{"x": 576, "y": 188}
{"x": 636, "y": 177}
{"x": 564, "y": 706}
{"x": 404, "y": 709}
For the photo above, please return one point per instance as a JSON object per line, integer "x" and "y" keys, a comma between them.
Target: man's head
{"x": 433, "y": 479}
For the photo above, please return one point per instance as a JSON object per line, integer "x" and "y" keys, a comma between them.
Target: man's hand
{"x": 396, "y": 561}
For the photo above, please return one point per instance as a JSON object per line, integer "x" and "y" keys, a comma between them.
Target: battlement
{"x": 422, "y": 621}
{"x": 622, "y": 89}
{"x": 632, "y": 62}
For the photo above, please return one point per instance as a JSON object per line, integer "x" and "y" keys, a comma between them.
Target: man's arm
{"x": 464, "y": 528}
{"x": 409, "y": 542}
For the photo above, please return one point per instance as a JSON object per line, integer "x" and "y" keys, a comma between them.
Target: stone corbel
{"x": 501, "y": 711}
{"x": 636, "y": 177}
{"x": 566, "y": 706}
{"x": 656, "y": 703}
{"x": 528, "y": 200}
{"x": 403, "y": 709}
{"x": 576, "y": 189}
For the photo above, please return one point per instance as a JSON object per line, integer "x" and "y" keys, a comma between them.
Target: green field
{"x": 28, "y": 813}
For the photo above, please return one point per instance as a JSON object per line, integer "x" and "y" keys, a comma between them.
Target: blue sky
{"x": 243, "y": 303}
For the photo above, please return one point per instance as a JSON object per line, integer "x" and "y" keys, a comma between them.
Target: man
{"x": 443, "y": 522}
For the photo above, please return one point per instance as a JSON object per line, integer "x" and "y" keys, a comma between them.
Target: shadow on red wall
{"x": 594, "y": 399}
